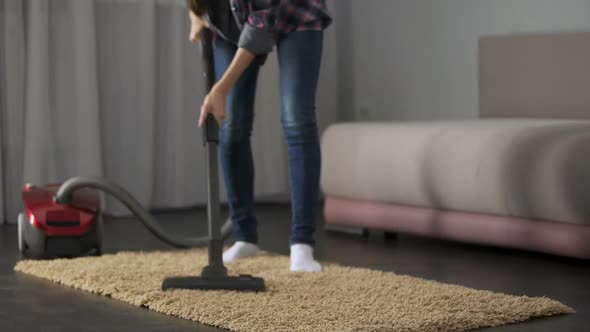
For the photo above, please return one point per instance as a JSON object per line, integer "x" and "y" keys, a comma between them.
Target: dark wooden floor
{"x": 29, "y": 304}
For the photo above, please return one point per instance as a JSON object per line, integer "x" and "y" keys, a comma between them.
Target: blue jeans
{"x": 299, "y": 55}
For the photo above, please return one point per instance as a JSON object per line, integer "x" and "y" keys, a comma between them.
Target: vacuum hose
{"x": 65, "y": 195}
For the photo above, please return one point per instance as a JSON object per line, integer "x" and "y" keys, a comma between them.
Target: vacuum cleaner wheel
{"x": 99, "y": 236}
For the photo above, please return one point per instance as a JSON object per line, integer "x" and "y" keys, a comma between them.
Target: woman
{"x": 246, "y": 31}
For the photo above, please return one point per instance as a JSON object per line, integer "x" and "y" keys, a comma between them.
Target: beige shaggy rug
{"x": 337, "y": 299}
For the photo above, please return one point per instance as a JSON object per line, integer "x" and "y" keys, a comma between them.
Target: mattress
{"x": 528, "y": 168}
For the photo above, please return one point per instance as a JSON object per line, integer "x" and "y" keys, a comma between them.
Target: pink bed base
{"x": 549, "y": 237}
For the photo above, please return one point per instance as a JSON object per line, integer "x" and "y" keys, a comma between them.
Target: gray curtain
{"x": 12, "y": 87}
{"x": 112, "y": 88}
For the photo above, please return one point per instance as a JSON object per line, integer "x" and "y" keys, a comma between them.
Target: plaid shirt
{"x": 263, "y": 21}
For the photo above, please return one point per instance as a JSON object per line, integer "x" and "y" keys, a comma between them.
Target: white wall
{"x": 418, "y": 59}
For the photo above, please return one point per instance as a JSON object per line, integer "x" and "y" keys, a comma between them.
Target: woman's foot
{"x": 239, "y": 250}
{"x": 302, "y": 259}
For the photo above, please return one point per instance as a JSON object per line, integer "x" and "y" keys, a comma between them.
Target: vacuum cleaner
{"x": 66, "y": 220}
{"x": 47, "y": 229}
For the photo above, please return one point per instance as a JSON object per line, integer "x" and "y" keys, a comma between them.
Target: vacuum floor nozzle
{"x": 241, "y": 283}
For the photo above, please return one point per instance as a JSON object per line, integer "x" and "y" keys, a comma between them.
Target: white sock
{"x": 302, "y": 259}
{"x": 239, "y": 250}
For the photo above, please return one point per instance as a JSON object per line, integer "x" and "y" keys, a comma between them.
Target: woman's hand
{"x": 214, "y": 104}
{"x": 197, "y": 25}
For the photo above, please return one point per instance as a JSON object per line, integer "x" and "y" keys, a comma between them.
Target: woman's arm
{"x": 215, "y": 101}
{"x": 257, "y": 37}
{"x": 242, "y": 59}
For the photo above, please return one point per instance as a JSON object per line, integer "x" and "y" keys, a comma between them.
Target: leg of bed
{"x": 390, "y": 236}
{"x": 363, "y": 232}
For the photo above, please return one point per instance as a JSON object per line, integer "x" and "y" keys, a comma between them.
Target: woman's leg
{"x": 235, "y": 150}
{"x": 300, "y": 55}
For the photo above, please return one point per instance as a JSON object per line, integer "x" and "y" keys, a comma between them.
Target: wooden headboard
{"x": 545, "y": 75}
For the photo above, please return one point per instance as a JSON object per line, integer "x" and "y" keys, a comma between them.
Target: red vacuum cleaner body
{"x": 47, "y": 229}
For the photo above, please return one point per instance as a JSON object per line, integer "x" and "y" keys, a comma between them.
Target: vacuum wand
{"x": 211, "y": 140}
{"x": 211, "y": 128}
{"x": 214, "y": 275}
